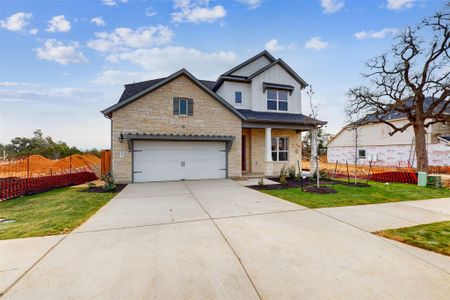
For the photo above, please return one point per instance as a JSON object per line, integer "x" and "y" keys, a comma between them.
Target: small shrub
{"x": 91, "y": 185}
{"x": 292, "y": 172}
{"x": 283, "y": 175}
{"x": 261, "y": 181}
{"x": 109, "y": 185}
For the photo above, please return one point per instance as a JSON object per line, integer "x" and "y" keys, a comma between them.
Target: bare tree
{"x": 417, "y": 67}
{"x": 314, "y": 159}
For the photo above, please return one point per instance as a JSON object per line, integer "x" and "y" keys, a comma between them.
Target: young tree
{"x": 322, "y": 140}
{"x": 399, "y": 81}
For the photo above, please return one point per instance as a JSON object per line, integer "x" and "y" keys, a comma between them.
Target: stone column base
{"x": 268, "y": 168}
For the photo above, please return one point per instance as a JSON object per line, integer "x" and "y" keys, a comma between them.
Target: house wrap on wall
{"x": 371, "y": 141}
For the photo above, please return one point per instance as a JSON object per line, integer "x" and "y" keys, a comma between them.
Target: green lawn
{"x": 348, "y": 195}
{"x": 434, "y": 236}
{"x": 54, "y": 212}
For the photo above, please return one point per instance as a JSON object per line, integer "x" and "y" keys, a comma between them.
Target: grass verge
{"x": 434, "y": 236}
{"x": 348, "y": 195}
{"x": 49, "y": 213}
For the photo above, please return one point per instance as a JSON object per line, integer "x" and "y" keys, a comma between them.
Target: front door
{"x": 244, "y": 147}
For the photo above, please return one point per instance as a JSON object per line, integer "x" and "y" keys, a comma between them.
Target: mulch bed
{"x": 99, "y": 189}
{"x": 307, "y": 185}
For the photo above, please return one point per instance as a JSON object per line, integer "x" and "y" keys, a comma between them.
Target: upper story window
{"x": 277, "y": 100}
{"x": 183, "y": 107}
{"x": 238, "y": 97}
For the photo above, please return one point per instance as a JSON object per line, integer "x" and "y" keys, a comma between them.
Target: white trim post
{"x": 268, "y": 152}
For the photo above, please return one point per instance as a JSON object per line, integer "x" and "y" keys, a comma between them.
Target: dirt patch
{"x": 319, "y": 190}
{"x": 99, "y": 189}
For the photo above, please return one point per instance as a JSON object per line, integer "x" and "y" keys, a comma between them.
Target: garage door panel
{"x": 167, "y": 160}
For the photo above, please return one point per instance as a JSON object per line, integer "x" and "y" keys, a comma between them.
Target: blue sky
{"x": 61, "y": 62}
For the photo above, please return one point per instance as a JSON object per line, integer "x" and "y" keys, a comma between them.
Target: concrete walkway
{"x": 219, "y": 240}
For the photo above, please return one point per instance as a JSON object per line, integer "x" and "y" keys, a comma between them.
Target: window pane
{"x": 274, "y": 144}
{"x": 283, "y": 105}
{"x": 238, "y": 97}
{"x": 271, "y": 94}
{"x": 283, "y": 144}
{"x": 282, "y": 95}
{"x": 274, "y": 156}
{"x": 362, "y": 153}
{"x": 183, "y": 107}
{"x": 283, "y": 156}
{"x": 271, "y": 105}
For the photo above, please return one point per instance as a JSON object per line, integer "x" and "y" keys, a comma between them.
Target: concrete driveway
{"x": 218, "y": 240}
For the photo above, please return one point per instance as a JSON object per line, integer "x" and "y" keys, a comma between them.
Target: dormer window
{"x": 277, "y": 100}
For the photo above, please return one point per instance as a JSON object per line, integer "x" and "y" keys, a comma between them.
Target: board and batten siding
{"x": 252, "y": 67}
{"x": 276, "y": 74}
{"x": 227, "y": 90}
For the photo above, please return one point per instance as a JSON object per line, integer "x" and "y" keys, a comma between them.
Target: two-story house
{"x": 179, "y": 127}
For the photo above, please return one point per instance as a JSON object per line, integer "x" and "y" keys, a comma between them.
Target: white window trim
{"x": 179, "y": 107}
{"x": 277, "y": 100}
{"x": 277, "y": 148}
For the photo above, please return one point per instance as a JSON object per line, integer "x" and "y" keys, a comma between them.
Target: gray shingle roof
{"x": 393, "y": 115}
{"x": 134, "y": 88}
{"x": 276, "y": 117}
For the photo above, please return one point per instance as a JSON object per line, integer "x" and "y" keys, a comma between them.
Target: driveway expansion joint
{"x": 384, "y": 240}
{"x": 226, "y": 241}
{"x": 33, "y": 265}
{"x": 139, "y": 226}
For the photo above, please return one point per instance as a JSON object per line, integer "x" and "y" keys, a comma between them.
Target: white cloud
{"x": 58, "y": 24}
{"x": 399, "y": 4}
{"x": 117, "y": 77}
{"x": 332, "y": 6}
{"x": 27, "y": 92}
{"x": 125, "y": 38}
{"x": 61, "y": 53}
{"x": 16, "y": 22}
{"x": 197, "y": 11}
{"x": 98, "y": 21}
{"x": 150, "y": 12}
{"x": 33, "y": 31}
{"x": 113, "y": 2}
{"x": 162, "y": 61}
{"x": 273, "y": 45}
{"x": 316, "y": 43}
{"x": 361, "y": 35}
{"x": 252, "y": 4}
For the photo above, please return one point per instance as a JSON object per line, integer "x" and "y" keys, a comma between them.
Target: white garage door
{"x": 167, "y": 160}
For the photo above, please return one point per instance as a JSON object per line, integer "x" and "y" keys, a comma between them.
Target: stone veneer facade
{"x": 153, "y": 113}
{"x": 256, "y": 146}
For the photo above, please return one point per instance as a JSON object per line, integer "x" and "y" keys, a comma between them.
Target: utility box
{"x": 434, "y": 180}
{"x": 422, "y": 179}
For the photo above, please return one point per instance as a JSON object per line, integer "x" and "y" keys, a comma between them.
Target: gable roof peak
{"x": 250, "y": 60}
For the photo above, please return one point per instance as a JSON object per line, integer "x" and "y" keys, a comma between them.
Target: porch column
{"x": 313, "y": 143}
{"x": 268, "y": 153}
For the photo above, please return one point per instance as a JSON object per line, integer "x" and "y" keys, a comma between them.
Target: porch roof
{"x": 260, "y": 117}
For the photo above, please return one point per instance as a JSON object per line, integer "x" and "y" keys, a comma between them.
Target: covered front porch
{"x": 273, "y": 140}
